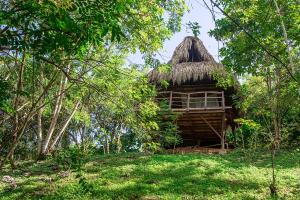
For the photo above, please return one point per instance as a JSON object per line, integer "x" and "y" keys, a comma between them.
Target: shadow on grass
{"x": 168, "y": 181}
{"x": 134, "y": 176}
{"x": 35, "y": 186}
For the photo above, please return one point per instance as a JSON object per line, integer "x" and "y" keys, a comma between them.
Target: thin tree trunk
{"x": 62, "y": 130}
{"x": 39, "y": 131}
{"x": 14, "y": 146}
{"x": 29, "y": 115}
{"x": 104, "y": 149}
{"x": 39, "y": 123}
{"x": 17, "y": 101}
{"x": 119, "y": 145}
{"x": 107, "y": 144}
{"x": 55, "y": 115}
{"x": 276, "y": 119}
{"x": 273, "y": 185}
{"x": 284, "y": 31}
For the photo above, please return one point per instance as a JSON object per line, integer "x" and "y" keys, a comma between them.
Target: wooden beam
{"x": 211, "y": 127}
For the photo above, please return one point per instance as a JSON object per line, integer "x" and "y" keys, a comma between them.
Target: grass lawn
{"x": 151, "y": 177}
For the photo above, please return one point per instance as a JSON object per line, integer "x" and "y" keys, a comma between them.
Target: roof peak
{"x": 191, "y": 49}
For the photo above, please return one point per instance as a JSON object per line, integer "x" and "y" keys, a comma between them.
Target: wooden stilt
{"x": 223, "y": 131}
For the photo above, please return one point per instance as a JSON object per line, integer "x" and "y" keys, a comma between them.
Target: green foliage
{"x": 5, "y": 95}
{"x": 263, "y": 46}
{"x": 224, "y": 80}
{"x": 71, "y": 25}
{"x": 195, "y": 27}
{"x": 84, "y": 45}
{"x": 169, "y": 133}
{"x": 129, "y": 112}
{"x": 249, "y": 134}
{"x": 75, "y": 158}
{"x": 248, "y": 125}
{"x": 84, "y": 185}
{"x": 255, "y": 104}
{"x": 259, "y": 18}
{"x": 72, "y": 157}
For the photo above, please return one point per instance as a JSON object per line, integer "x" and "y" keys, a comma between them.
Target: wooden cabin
{"x": 206, "y": 110}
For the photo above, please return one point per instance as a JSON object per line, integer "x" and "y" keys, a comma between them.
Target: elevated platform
{"x": 202, "y": 119}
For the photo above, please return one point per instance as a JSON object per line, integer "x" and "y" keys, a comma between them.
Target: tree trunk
{"x": 55, "y": 115}
{"x": 17, "y": 101}
{"x": 107, "y": 144}
{"x": 39, "y": 119}
{"x": 14, "y": 146}
{"x": 119, "y": 145}
{"x": 62, "y": 130}
{"x": 39, "y": 131}
{"x": 285, "y": 35}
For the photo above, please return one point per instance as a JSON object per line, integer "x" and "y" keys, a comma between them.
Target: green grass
{"x": 138, "y": 176}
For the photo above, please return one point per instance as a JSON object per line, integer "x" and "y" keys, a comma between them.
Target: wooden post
{"x": 205, "y": 99}
{"x": 223, "y": 131}
{"x": 223, "y": 100}
{"x": 170, "y": 100}
{"x": 188, "y": 102}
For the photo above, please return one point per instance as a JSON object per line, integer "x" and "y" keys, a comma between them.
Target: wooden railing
{"x": 193, "y": 101}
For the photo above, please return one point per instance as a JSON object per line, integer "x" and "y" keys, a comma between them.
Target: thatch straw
{"x": 191, "y": 49}
{"x": 184, "y": 72}
{"x": 190, "y": 62}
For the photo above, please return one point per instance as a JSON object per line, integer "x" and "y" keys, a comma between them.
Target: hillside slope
{"x": 137, "y": 176}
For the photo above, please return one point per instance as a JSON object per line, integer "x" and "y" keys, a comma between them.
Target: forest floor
{"x": 158, "y": 176}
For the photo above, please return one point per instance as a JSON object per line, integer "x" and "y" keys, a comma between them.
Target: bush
{"x": 73, "y": 157}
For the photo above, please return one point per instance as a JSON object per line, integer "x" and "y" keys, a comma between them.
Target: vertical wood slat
{"x": 205, "y": 99}
{"x": 170, "y": 100}
{"x": 223, "y": 100}
{"x": 188, "y": 101}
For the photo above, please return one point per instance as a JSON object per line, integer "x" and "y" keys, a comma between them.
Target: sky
{"x": 197, "y": 13}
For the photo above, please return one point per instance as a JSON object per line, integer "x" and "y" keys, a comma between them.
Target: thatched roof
{"x": 190, "y": 62}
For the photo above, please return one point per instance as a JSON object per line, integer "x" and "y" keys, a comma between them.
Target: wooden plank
{"x": 223, "y": 100}
{"x": 210, "y": 109}
{"x": 212, "y": 128}
{"x": 170, "y": 101}
{"x": 188, "y": 101}
{"x": 184, "y": 111}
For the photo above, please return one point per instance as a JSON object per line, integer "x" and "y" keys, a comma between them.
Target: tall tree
{"x": 261, "y": 38}
{"x": 53, "y": 45}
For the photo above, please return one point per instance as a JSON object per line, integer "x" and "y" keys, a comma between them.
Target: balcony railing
{"x": 205, "y": 100}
